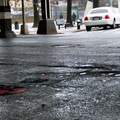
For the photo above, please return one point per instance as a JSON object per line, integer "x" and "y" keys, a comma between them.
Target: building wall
{"x": 17, "y": 4}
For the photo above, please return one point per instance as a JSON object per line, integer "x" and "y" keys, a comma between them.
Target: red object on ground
{"x": 11, "y": 89}
{"x": 43, "y": 74}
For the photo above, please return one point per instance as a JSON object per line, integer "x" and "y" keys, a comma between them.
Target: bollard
{"x": 16, "y": 25}
{"x": 78, "y": 24}
{"x": 65, "y": 26}
{"x": 59, "y": 27}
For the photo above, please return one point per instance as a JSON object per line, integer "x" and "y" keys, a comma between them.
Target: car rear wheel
{"x": 88, "y": 28}
{"x": 105, "y": 27}
{"x": 113, "y": 25}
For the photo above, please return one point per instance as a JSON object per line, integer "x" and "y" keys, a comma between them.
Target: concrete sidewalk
{"x": 71, "y": 29}
{"x": 62, "y": 30}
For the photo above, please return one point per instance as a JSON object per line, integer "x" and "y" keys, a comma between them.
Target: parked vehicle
{"x": 60, "y": 21}
{"x": 102, "y": 17}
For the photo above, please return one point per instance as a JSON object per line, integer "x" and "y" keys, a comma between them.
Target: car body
{"x": 60, "y": 21}
{"x": 102, "y": 17}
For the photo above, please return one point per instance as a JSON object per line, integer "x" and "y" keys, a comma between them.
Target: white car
{"x": 102, "y": 17}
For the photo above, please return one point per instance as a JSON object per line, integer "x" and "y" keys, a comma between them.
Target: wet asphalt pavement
{"x": 74, "y": 76}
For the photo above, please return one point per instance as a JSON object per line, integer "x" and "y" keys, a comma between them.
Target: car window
{"x": 116, "y": 10}
{"x": 99, "y": 11}
{"x": 113, "y": 10}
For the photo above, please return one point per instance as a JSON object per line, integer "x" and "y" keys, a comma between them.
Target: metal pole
{"x": 24, "y": 28}
{"x": 48, "y": 9}
{"x": 36, "y": 13}
{"x": 44, "y": 9}
{"x": 95, "y": 3}
{"x": 23, "y": 15}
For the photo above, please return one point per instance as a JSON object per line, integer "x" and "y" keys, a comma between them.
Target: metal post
{"x": 48, "y": 9}
{"x": 24, "y": 28}
{"x": 23, "y": 15}
{"x": 95, "y": 3}
{"x": 36, "y": 13}
{"x": 44, "y": 8}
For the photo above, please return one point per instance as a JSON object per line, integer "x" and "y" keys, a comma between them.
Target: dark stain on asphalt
{"x": 34, "y": 80}
{"x": 67, "y": 45}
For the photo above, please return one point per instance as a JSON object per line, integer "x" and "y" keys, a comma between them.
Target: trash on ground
{"x": 11, "y": 89}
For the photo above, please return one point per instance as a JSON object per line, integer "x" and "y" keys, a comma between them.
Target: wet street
{"x": 73, "y": 76}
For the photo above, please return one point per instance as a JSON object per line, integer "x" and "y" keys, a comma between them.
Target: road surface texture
{"x": 73, "y": 76}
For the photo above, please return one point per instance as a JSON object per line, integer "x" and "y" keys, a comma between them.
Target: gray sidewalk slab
{"x": 62, "y": 30}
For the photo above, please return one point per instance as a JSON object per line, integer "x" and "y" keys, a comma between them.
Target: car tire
{"x": 88, "y": 28}
{"x": 113, "y": 26}
{"x": 117, "y": 25}
{"x": 105, "y": 27}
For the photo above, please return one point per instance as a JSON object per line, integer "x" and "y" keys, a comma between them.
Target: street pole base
{"x": 46, "y": 27}
{"x": 24, "y": 30}
{"x": 7, "y": 34}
